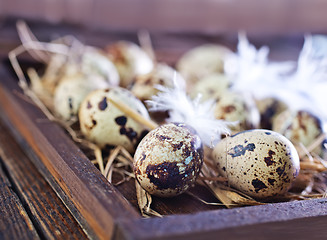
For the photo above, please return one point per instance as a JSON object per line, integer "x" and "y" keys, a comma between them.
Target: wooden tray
{"x": 108, "y": 212}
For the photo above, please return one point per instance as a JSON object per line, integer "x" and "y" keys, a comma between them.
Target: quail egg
{"x": 269, "y": 109}
{"x": 89, "y": 62}
{"x": 144, "y": 86}
{"x": 71, "y": 91}
{"x": 236, "y": 107}
{"x": 211, "y": 86}
{"x": 299, "y": 127}
{"x": 95, "y": 62}
{"x": 260, "y": 163}
{"x": 104, "y": 124}
{"x": 202, "y": 61}
{"x": 130, "y": 61}
{"x": 168, "y": 159}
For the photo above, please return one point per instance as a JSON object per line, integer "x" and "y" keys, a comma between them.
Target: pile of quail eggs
{"x": 258, "y": 158}
{"x": 260, "y": 163}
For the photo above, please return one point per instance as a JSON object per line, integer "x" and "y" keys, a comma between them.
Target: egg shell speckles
{"x": 130, "y": 61}
{"x": 104, "y": 124}
{"x": 260, "y": 163}
{"x": 300, "y": 127}
{"x": 71, "y": 91}
{"x": 211, "y": 86}
{"x": 96, "y": 62}
{"x": 144, "y": 86}
{"x": 202, "y": 61}
{"x": 236, "y": 107}
{"x": 168, "y": 160}
{"x": 269, "y": 109}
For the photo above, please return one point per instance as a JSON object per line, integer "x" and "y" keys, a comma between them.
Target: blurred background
{"x": 209, "y": 16}
{"x": 175, "y": 25}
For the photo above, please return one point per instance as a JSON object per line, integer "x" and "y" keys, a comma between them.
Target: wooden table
{"x": 29, "y": 208}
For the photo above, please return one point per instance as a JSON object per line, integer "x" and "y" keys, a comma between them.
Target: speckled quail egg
{"x": 95, "y": 62}
{"x": 211, "y": 86}
{"x": 168, "y": 159}
{"x": 237, "y": 107}
{"x": 90, "y": 62}
{"x": 299, "y": 127}
{"x": 104, "y": 124}
{"x": 269, "y": 109}
{"x": 71, "y": 91}
{"x": 130, "y": 60}
{"x": 260, "y": 163}
{"x": 144, "y": 86}
{"x": 202, "y": 61}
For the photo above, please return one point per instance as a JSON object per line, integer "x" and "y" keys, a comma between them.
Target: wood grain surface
{"x": 292, "y": 220}
{"x": 47, "y": 212}
{"x": 94, "y": 202}
{"x": 14, "y": 221}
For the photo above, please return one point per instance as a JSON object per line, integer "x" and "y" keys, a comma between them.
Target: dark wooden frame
{"x": 104, "y": 213}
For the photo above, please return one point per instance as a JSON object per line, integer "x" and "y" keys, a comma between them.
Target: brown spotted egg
{"x": 104, "y": 124}
{"x": 202, "y": 61}
{"x": 299, "y": 127}
{"x": 144, "y": 86}
{"x": 168, "y": 159}
{"x": 95, "y": 62}
{"x": 238, "y": 108}
{"x": 260, "y": 163}
{"x": 71, "y": 91}
{"x": 211, "y": 86}
{"x": 269, "y": 109}
{"x": 130, "y": 61}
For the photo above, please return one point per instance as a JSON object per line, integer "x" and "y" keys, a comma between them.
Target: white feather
{"x": 302, "y": 89}
{"x": 310, "y": 79}
{"x": 250, "y": 69}
{"x": 183, "y": 109}
{"x": 306, "y": 88}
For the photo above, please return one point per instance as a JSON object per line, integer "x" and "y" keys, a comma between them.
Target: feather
{"x": 250, "y": 70}
{"x": 309, "y": 82}
{"x": 301, "y": 88}
{"x": 198, "y": 115}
